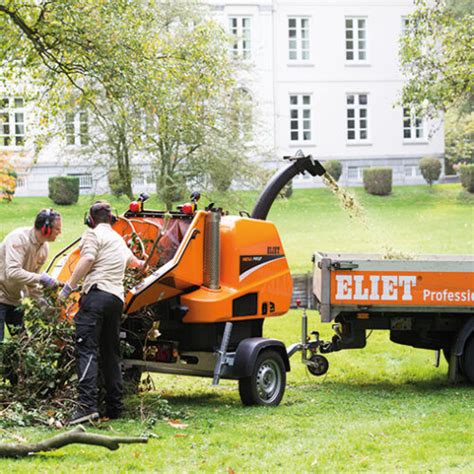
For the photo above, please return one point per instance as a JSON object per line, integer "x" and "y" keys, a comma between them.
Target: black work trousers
{"x": 12, "y": 316}
{"x": 97, "y": 338}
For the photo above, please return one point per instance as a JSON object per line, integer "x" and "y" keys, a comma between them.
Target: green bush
{"x": 467, "y": 177}
{"x": 115, "y": 183}
{"x": 378, "y": 181}
{"x": 430, "y": 168}
{"x": 64, "y": 189}
{"x": 334, "y": 168}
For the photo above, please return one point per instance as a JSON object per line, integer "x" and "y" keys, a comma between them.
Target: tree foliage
{"x": 155, "y": 76}
{"x": 437, "y": 55}
{"x": 7, "y": 179}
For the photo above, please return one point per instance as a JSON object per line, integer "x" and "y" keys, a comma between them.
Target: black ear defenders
{"x": 46, "y": 228}
{"x": 89, "y": 220}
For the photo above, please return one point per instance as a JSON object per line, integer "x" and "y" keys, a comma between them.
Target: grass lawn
{"x": 384, "y": 408}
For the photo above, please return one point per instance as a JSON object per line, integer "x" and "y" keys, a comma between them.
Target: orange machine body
{"x": 254, "y": 281}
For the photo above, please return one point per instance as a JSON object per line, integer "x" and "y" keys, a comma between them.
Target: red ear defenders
{"x": 90, "y": 222}
{"x": 46, "y": 229}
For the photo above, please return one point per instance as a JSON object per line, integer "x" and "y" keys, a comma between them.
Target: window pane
{"x": 306, "y": 99}
{"x": 348, "y": 23}
{"x": 305, "y": 55}
{"x": 304, "y": 23}
{"x": 306, "y": 136}
{"x": 362, "y": 99}
{"x": 363, "y": 113}
{"x": 350, "y": 113}
{"x": 293, "y": 99}
{"x": 361, "y": 23}
{"x": 362, "y": 55}
{"x": 350, "y": 124}
{"x": 349, "y": 34}
{"x": 350, "y": 134}
{"x": 294, "y": 113}
{"x": 349, "y": 45}
{"x": 363, "y": 124}
{"x": 292, "y": 33}
{"x": 19, "y": 117}
{"x": 294, "y": 135}
{"x": 350, "y": 99}
{"x": 349, "y": 55}
{"x": 406, "y": 133}
{"x": 294, "y": 125}
{"x": 363, "y": 134}
{"x": 292, "y": 22}
{"x": 306, "y": 124}
{"x": 18, "y": 102}
{"x": 292, "y": 55}
{"x": 306, "y": 113}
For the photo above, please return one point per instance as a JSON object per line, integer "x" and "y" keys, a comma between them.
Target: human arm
{"x": 16, "y": 248}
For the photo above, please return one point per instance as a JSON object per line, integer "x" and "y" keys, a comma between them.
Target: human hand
{"x": 48, "y": 281}
{"x": 65, "y": 292}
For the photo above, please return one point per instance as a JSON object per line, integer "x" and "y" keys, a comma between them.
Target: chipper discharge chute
{"x": 214, "y": 280}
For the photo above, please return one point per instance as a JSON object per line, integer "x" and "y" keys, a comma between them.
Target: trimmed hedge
{"x": 430, "y": 169}
{"x": 64, "y": 189}
{"x": 378, "y": 181}
{"x": 334, "y": 168}
{"x": 115, "y": 183}
{"x": 467, "y": 177}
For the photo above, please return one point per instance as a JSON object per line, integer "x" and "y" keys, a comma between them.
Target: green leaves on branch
{"x": 437, "y": 55}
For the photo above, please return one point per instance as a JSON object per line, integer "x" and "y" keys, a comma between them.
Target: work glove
{"x": 47, "y": 281}
{"x": 65, "y": 292}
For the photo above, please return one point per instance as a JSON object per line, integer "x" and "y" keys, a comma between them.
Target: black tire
{"x": 467, "y": 359}
{"x": 266, "y": 385}
{"x": 321, "y": 365}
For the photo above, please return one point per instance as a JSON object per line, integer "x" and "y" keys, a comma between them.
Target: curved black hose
{"x": 280, "y": 179}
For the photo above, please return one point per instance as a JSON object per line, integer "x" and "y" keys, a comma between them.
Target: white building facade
{"x": 323, "y": 77}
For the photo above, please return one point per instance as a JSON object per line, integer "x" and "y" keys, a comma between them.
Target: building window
{"x": 298, "y": 39}
{"x": 357, "y": 117}
{"x": 12, "y": 121}
{"x": 356, "y": 39}
{"x": 85, "y": 180}
{"x": 356, "y": 173}
{"x": 412, "y": 125}
{"x": 300, "y": 118}
{"x": 408, "y": 25}
{"x": 411, "y": 171}
{"x": 77, "y": 128}
{"x": 241, "y": 33}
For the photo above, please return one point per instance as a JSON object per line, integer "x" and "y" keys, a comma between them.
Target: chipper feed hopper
{"x": 214, "y": 280}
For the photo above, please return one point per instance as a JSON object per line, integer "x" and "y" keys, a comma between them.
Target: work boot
{"x": 83, "y": 416}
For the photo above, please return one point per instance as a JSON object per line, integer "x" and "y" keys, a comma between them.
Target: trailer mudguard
{"x": 248, "y": 351}
{"x": 463, "y": 336}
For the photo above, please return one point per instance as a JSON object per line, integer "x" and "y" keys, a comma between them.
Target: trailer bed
{"x": 368, "y": 282}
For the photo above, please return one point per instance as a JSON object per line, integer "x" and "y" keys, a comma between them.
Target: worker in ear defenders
{"x": 104, "y": 257}
{"x": 22, "y": 254}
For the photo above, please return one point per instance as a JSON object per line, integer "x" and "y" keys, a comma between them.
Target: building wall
{"x": 271, "y": 78}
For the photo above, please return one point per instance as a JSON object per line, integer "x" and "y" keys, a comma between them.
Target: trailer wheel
{"x": 319, "y": 366}
{"x": 468, "y": 359}
{"x": 266, "y": 385}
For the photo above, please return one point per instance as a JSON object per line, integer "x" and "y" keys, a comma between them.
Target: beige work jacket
{"x": 21, "y": 259}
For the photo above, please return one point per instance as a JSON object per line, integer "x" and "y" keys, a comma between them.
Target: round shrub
{"x": 64, "y": 189}
{"x": 378, "y": 181}
{"x": 115, "y": 183}
{"x": 334, "y": 168}
{"x": 430, "y": 168}
{"x": 467, "y": 177}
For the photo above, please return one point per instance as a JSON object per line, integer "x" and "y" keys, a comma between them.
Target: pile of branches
{"x": 37, "y": 366}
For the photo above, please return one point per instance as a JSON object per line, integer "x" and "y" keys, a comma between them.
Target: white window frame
{"x": 355, "y": 113}
{"x": 413, "y": 171}
{"x": 413, "y": 125}
{"x": 12, "y": 127}
{"x": 300, "y": 114}
{"x": 353, "y": 38}
{"x": 299, "y": 39}
{"x": 359, "y": 171}
{"x": 242, "y": 35}
{"x": 79, "y": 138}
{"x": 85, "y": 180}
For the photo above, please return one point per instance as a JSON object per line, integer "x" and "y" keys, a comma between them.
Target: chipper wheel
{"x": 266, "y": 385}
{"x": 319, "y": 365}
{"x": 467, "y": 361}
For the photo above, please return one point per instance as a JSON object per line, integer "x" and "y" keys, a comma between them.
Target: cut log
{"x": 76, "y": 436}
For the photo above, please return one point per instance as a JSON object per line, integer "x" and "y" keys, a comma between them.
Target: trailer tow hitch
{"x": 317, "y": 364}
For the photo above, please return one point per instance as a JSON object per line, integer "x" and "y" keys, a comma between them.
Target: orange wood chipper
{"x": 216, "y": 278}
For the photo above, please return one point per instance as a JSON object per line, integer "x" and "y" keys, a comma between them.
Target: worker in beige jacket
{"x": 102, "y": 264}
{"x": 22, "y": 254}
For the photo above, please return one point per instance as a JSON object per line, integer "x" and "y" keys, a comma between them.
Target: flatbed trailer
{"x": 426, "y": 302}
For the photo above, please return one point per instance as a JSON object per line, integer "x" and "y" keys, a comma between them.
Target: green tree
{"x": 437, "y": 55}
